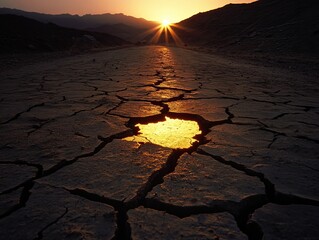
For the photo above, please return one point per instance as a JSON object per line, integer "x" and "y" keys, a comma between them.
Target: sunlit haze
{"x": 173, "y": 11}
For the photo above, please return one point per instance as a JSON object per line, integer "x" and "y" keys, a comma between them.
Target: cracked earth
{"x": 68, "y": 173}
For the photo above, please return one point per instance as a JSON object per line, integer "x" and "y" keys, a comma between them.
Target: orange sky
{"x": 173, "y": 10}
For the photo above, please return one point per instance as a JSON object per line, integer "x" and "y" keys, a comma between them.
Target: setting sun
{"x": 165, "y": 23}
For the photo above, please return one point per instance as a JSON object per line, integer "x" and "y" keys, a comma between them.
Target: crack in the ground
{"x": 15, "y": 117}
{"x": 308, "y": 139}
{"x": 117, "y": 115}
{"x": 28, "y": 184}
{"x": 81, "y": 135}
{"x": 216, "y": 206}
{"x": 104, "y": 142}
{"x": 305, "y": 108}
{"x": 24, "y": 197}
{"x": 123, "y": 230}
{"x": 91, "y": 86}
{"x": 172, "y": 99}
{"x": 155, "y": 178}
{"x": 278, "y": 134}
{"x": 270, "y": 102}
{"x": 208, "y": 98}
{"x": 155, "y": 85}
{"x": 284, "y": 114}
{"x": 241, "y": 211}
{"x": 160, "y": 81}
{"x": 103, "y": 93}
{"x": 47, "y": 121}
{"x": 219, "y": 91}
{"x": 309, "y": 124}
{"x": 96, "y": 198}
{"x": 122, "y": 101}
{"x": 269, "y": 186}
{"x": 271, "y": 94}
{"x": 228, "y": 145}
{"x": 39, "y": 126}
{"x": 40, "y": 233}
{"x": 39, "y": 167}
{"x": 86, "y": 110}
{"x": 162, "y": 104}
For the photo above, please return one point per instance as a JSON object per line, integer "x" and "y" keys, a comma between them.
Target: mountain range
{"x": 83, "y": 22}
{"x": 120, "y": 25}
{"x": 21, "y": 34}
{"x": 279, "y": 26}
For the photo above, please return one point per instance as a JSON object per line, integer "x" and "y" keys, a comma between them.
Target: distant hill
{"x": 21, "y": 34}
{"x": 106, "y": 23}
{"x": 132, "y": 34}
{"x": 262, "y": 26}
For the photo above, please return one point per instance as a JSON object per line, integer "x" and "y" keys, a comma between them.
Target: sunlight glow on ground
{"x": 171, "y": 133}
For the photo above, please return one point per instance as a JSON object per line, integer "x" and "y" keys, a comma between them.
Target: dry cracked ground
{"x": 68, "y": 173}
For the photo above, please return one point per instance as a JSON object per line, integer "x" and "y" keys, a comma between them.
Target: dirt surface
{"x": 67, "y": 172}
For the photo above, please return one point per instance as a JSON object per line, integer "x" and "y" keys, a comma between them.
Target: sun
{"x": 165, "y": 23}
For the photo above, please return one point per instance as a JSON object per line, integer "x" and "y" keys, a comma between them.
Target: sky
{"x": 157, "y": 10}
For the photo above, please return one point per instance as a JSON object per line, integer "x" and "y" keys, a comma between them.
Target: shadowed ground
{"x": 67, "y": 173}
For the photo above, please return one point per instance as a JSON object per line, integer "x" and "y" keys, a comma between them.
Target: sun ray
{"x": 175, "y": 37}
{"x": 163, "y": 33}
{"x": 166, "y": 34}
{"x": 180, "y": 27}
{"x": 157, "y": 35}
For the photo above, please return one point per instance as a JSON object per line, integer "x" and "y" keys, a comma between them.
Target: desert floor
{"x": 67, "y": 171}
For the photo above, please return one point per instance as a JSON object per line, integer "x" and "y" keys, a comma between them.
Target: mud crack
{"x": 15, "y": 117}
{"x": 40, "y": 233}
{"x": 269, "y": 186}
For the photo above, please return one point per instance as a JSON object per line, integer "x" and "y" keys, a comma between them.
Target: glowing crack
{"x": 171, "y": 133}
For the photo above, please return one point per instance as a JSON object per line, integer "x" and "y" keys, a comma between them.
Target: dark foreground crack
{"x": 28, "y": 184}
{"x": 276, "y": 135}
{"x": 104, "y": 142}
{"x": 40, "y": 126}
{"x": 95, "y": 197}
{"x": 241, "y": 211}
{"x": 308, "y": 139}
{"x": 123, "y": 230}
{"x": 250, "y": 204}
{"x": 20, "y": 113}
{"x": 40, "y": 233}
{"x": 24, "y": 197}
{"x": 217, "y": 206}
{"x": 39, "y": 167}
{"x": 156, "y": 178}
{"x": 269, "y": 186}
